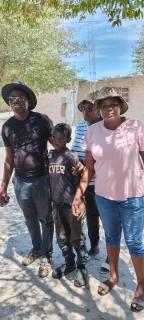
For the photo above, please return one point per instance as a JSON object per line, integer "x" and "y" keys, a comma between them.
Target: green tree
{"x": 36, "y": 55}
{"x": 3, "y": 107}
{"x": 139, "y": 54}
{"x": 31, "y": 10}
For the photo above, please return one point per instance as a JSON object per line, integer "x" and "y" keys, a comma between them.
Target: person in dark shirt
{"x": 63, "y": 186}
{"x": 25, "y": 137}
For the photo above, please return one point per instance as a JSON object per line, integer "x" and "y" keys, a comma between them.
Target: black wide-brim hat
{"x": 6, "y": 90}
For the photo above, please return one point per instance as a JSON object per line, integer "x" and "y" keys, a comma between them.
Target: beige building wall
{"x": 59, "y": 106}
{"x": 135, "y": 86}
{"x": 62, "y": 106}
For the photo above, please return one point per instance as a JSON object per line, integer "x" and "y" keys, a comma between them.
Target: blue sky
{"x": 112, "y": 47}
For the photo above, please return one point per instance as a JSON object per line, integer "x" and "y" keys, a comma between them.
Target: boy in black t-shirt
{"x": 63, "y": 186}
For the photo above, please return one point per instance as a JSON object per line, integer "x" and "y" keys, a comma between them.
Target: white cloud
{"x": 103, "y": 46}
{"x": 133, "y": 24}
{"x": 118, "y": 36}
{"x": 85, "y": 59}
{"x": 124, "y": 57}
{"x": 113, "y": 73}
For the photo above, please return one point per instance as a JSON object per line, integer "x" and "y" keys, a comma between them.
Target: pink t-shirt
{"x": 118, "y": 167}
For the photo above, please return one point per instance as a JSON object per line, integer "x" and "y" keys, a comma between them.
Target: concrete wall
{"x": 58, "y": 106}
{"x": 136, "y": 92}
{"x": 54, "y": 104}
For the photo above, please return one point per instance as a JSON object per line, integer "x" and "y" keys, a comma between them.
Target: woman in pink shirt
{"x": 115, "y": 151}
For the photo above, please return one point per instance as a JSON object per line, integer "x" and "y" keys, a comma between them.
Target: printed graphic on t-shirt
{"x": 56, "y": 169}
{"x": 62, "y": 181}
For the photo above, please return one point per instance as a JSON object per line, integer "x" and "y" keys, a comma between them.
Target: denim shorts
{"x": 125, "y": 215}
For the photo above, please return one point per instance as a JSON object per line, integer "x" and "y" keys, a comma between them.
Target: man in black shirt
{"x": 25, "y": 137}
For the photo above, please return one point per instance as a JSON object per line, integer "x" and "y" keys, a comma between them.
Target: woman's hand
{"x": 78, "y": 207}
{"x": 76, "y": 204}
{"x": 81, "y": 211}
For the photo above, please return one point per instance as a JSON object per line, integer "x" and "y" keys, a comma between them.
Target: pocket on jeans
{"x": 136, "y": 203}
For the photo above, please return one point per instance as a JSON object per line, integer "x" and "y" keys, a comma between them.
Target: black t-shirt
{"x": 63, "y": 183}
{"x": 28, "y": 140}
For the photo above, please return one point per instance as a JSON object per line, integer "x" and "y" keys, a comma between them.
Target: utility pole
{"x": 74, "y": 91}
{"x": 92, "y": 58}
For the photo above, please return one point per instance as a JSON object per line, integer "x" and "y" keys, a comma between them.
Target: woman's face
{"x": 110, "y": 109}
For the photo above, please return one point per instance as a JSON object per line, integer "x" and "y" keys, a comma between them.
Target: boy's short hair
{"x": 65, "y": 129}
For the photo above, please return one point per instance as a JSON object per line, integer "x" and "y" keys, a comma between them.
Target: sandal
{"x": 105, "y": 268}
{"x": 105, "y": 287}
{"x": 137, "y": 305}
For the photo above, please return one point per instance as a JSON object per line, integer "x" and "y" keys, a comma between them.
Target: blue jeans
{"x": 34, "y": 199}
{"x": 125, "y": 215}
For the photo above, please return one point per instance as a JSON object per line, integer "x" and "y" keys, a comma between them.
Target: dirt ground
{"x": 24, "y": 296}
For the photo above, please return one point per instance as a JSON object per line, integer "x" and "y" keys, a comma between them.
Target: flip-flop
{"x": 137, "y": 305}
{"x": 105, "y": 287}
{"x": 105, "y": 268}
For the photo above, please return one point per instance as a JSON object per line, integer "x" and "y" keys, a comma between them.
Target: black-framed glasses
{"x": 19, "y": 99}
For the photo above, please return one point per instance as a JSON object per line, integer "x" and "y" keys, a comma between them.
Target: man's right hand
{"x": 4, "y": 198}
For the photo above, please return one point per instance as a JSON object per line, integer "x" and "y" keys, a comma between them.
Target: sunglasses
{"x": 17, "y": 99}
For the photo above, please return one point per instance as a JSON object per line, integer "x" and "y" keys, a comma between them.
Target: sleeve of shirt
{"x": 73, "y": 160}
{"x": 5, "y": 136}
{"x": 79, "y": 133}
{"x": 87, "y": 143}
{"x": 48, "y": 124}
{"x": 77, "y": 137}
{"x": 140, "y": 135}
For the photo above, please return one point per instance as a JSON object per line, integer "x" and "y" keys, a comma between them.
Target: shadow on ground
{"x": 25, "y": 296}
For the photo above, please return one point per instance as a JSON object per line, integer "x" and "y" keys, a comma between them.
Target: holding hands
{"x": 78, "y": 208}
